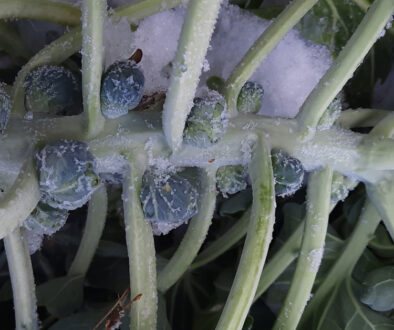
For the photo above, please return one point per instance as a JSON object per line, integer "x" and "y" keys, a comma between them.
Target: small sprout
{"x": 288, "y": 173}
{"x": 67, "y": 174}
{"x": 332, "y": 113}
{"x": 250, "y": 97}
{"x": 340, "y": 187}
{"x": 5, "y": 106}
{"x": 206, "y": 122}
{"x": 121, "y": 88}
{"x": 215, "y": 83}
{"x": 52, "y": 89}
{"x": 231, "y": 179}
{"x": 45, "y": 219}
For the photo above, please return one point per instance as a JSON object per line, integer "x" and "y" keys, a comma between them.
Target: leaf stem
{"x": 361, "y": 117}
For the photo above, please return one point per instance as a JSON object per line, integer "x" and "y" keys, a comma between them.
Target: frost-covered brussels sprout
{"x": 250, "y": 97}
{"x": 45, "y": 219}
{"x": 167, "y": 198}
{"x": 66, "y": 174}
{"x": 231, "y": 179}
{"x": 332, "y": 113}
{"x": 55, "y": 90}
{"x": 215, "y": 83}
{"x": 340, "y": 187}
{"x": 206, "y": 122}
{"x": 5, "y": 107}
{"x": 121, "y": 88}
{"x": 288, "y": 173}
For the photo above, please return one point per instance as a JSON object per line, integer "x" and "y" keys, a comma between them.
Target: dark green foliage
{"x": 231, "y": 179}
{"x": 250, "y": 97}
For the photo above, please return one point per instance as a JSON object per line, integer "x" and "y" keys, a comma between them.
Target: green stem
{"x": 22, "y": 280}
{"x": 363, "y": 4}
{"x": 312, "y": 247}
{"x": 42, "y": 10}
{"x": 97, "y": 212}
{"x": 361, "y": 117}
{"x": 223, "y": 243}
{"x": 385, "y": 127}
{"x": 141, "y": 250}
{"x": 192, "y": 46}
{"x": 344, "y": 66}
{"x": 257, "y": 241}
{"x": 94, "y": 12}
{"x": 195, "y": 235}
{"x": 262, "y": 47}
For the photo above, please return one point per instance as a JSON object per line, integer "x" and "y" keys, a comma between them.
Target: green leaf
{"x": 162, "y": 320}
{"x": 237, "y": 203}
{"x": 382, "y": 245}
{"x": 62, "y": 295}
{"x": 79, "y": 321}
{"x": 378, "y": 292}
{"x": 109, "y": 249}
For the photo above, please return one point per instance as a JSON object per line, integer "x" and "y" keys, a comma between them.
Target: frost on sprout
{"x": 288, "y": 173}
{"x": 314, "y": 257}
{"x": 250, "y": 97}
{"x": 168, "y": 200}
{"x": 5, "y": 106}
{"x": 121, "y": 88}
{"x": 67, "y": 174}
{"x": 231, "y": 179}
{"x": 332, "y": 113}
{"x": 33, "y": 240}
{"x": 340, "y": 187}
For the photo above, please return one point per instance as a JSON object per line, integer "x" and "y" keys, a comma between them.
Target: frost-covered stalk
{"x": 192, "y": 47}
{"x": 97, "y": 212}
{"x": 141, "y": 250}
{"x": 317, "y": 212}
{"x": 195, "y": 235}
{"x": 93, "y": 14}
{"x": 257, "y": 240}
{"x": 344, "y": 66}
{"x": 22, "y": 280}
{"x": 262, "y": 47}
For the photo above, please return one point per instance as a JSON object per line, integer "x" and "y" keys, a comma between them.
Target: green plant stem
{"x": 344, "y": 66}
{"x": 261, "y": 48}
{"x": 312, "y": 247}
{"x": 363, "y": 4}
{"x": 361, "y": 117}
{"x": 93, "y": 14}
{"x": 195, "y": 235}
{"x": 223, "y": 243}
{"x": 49, "y": 11}
{"x": 141, "y": 250}
{"x": 95, "y": 222}
{"x": 192, "y": 47}
{"x": 354, "y": 248}
{"x": 22, "y": 280}
{"x": 257, "y": 241}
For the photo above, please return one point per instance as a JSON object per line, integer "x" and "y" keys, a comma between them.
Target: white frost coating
{"x": 33, "y": 240}
{"x": 315, "y": 256}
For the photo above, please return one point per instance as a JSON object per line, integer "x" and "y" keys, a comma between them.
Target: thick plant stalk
{"x": 318, "y": 207}
{"x": 257, "y": 241}
{"x": 261, "y": 48}
{"x": 97, "y": 212}
{"x": 192, "y": 47}
{"x": 195, "y": 235}
{"x": 22, "y": 280}
{"x": 141, "y": 250}
{"x": 344, "y": 66}
{"x": 361, "y": 117}
{"x": 93, "y": 14}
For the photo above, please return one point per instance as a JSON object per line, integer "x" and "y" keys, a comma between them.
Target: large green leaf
{"x": 382, "y": 244}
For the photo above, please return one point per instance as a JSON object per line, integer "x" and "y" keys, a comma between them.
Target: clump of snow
{"x": 314, "y": 257}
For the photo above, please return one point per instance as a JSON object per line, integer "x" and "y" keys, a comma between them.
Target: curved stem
{"x": 312, "y": 247}
{"x": 22, "y": 280}
{"x": 257, "y": 241}
{"x": 42, "y": 10}
{"x": 141, "y": 250}
{"x": 361, "y": 117}
{"x": 344, "y": 66}
{"x": 95, "y": 222}
{"x": 195, "y": 235}
{"x": 192, "y": 46}
{"x": 262, "y": 47}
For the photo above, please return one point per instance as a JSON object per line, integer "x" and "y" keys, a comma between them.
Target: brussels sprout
{"x": 288, "y": 173}
{"x": 250, "y": 97}
{"x": 5, "y": 107}
{"x": 52, "y": 89}
{"x": 340, "y": 187}
{"x": 332, "y": 113}
{"x": 170, "y": 198}
{"x": 121, "y": 88}
{"x": 66, "y": 174}
{"x": 45, "y": 219}
{"x": 231, "y": 179}
{"x": 206, "y": 122}
{"x": 215, "y": 83}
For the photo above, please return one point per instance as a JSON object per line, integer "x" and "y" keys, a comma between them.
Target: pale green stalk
{"x": 361, "y": 117}
{"x": 195, "y": 235}
{"x": 141, "y": 250}
{"x": 261, "y": 48}
{"x": 93, "y": 15}
{"x": 192, "y": 47}
{"x": 95, "y": 222}
{"x": 22, "y": 281}
{"x": 258, "y": 238}
{"x": 363, "y": 4}
{"x": 344, "y": 66}
{"x": 312, "y": 247}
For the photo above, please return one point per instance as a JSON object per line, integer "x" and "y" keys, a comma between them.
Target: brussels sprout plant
{"x": 201, "y": 213}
